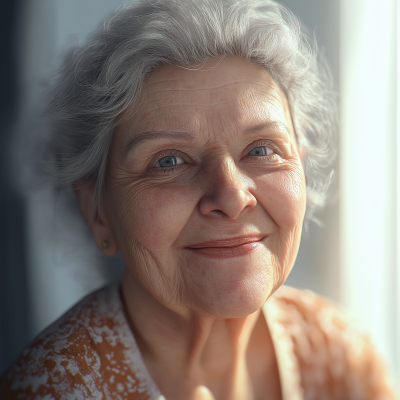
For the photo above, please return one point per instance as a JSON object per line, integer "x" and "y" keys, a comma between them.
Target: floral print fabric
{"x": 90, "y": 353}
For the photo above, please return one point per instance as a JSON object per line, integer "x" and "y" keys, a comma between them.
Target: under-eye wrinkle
{"x": 169, "y": 170}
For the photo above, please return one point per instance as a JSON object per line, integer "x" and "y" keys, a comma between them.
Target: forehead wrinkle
{"x": 261, "y": 111}
{"x": 238, "y": 82}
{"x": 240, "y": 99}
{"x": 194, "y": 118}
{"x": 189, "y": 105}
{"x": 268, "y": 110}
{"x": 265, "y": 93}
{"x": 265, "y": 89}
{"x": 267, "y": 106}
{"x": 258, "y": 111}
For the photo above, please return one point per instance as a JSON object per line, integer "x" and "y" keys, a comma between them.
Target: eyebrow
{"x": 180, "y": 135}
{"x": 266, "y": 125}
{"x": 154, "y": 135}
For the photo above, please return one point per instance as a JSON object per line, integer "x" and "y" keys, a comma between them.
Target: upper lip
{"x": 230, "y": 242}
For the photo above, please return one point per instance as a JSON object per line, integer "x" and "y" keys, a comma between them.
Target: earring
{"x": 104, "y": 244}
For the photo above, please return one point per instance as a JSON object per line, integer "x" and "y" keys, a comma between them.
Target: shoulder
{"x": 79, "y": 356}
{"x": 334, "y": 359}
{"x": 309, "y": 309}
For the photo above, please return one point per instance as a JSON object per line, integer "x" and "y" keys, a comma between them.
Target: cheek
{"x": 154, "y": 215}
{"x": 283, "y": 195}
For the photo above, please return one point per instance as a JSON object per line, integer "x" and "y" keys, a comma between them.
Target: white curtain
{"x": 370, "y": 172}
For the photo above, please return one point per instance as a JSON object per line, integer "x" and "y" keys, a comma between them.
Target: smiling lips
{"x": 228, "y": 248}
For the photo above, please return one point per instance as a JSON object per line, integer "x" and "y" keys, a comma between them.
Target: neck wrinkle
{"x": 196, "y": 348}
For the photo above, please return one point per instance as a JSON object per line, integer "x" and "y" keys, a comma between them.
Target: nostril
{"x": 219, "y": 213}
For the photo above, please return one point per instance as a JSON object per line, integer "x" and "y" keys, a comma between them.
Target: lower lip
{"x": 228, "y": 252}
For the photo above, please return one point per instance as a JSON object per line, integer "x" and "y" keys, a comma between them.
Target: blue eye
{"x": 168, "y": 161}
{"x": 260, "y": 151}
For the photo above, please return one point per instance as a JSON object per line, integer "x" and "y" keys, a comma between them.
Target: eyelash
{"x": 263, "y": 143}
{"x": 172, "y": 153}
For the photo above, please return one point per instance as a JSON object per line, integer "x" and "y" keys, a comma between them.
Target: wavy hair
{"x": 102, "y": 78}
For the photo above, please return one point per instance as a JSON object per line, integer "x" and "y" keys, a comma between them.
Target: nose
{"x": 228, "y": 193}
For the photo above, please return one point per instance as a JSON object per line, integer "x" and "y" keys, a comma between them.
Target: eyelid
{"x": 168, "y": 153}
{"x": 263, "y": 142}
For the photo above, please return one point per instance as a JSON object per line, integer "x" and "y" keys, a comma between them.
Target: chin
{"x": 233, "y": 288}
{"x": 239, "y": 298}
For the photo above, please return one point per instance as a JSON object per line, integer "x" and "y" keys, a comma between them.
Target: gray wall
{"x": 317, "y": 265}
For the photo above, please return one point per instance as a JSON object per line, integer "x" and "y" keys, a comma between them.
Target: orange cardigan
{"x": 90, "y": 353}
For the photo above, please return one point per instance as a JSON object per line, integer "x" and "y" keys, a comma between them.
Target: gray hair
{"x": 102, "y": 78}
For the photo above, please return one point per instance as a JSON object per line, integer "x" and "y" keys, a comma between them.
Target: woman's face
{"x": 205, "y": 190}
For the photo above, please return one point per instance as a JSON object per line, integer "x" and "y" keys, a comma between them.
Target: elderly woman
{"x": 195, "y": 135}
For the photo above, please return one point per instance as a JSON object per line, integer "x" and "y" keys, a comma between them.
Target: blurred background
{"x": 48, "y": 260}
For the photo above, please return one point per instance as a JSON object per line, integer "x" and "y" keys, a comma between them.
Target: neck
{"x": 198, "y": 351}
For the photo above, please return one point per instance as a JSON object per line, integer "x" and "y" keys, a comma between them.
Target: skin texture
{"x": 197, "y": 317}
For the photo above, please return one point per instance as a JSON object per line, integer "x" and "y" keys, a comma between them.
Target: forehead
{"x": 230, "y": 88}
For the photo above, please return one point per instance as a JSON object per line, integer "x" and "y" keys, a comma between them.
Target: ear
{"x": 97, "y": 223}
